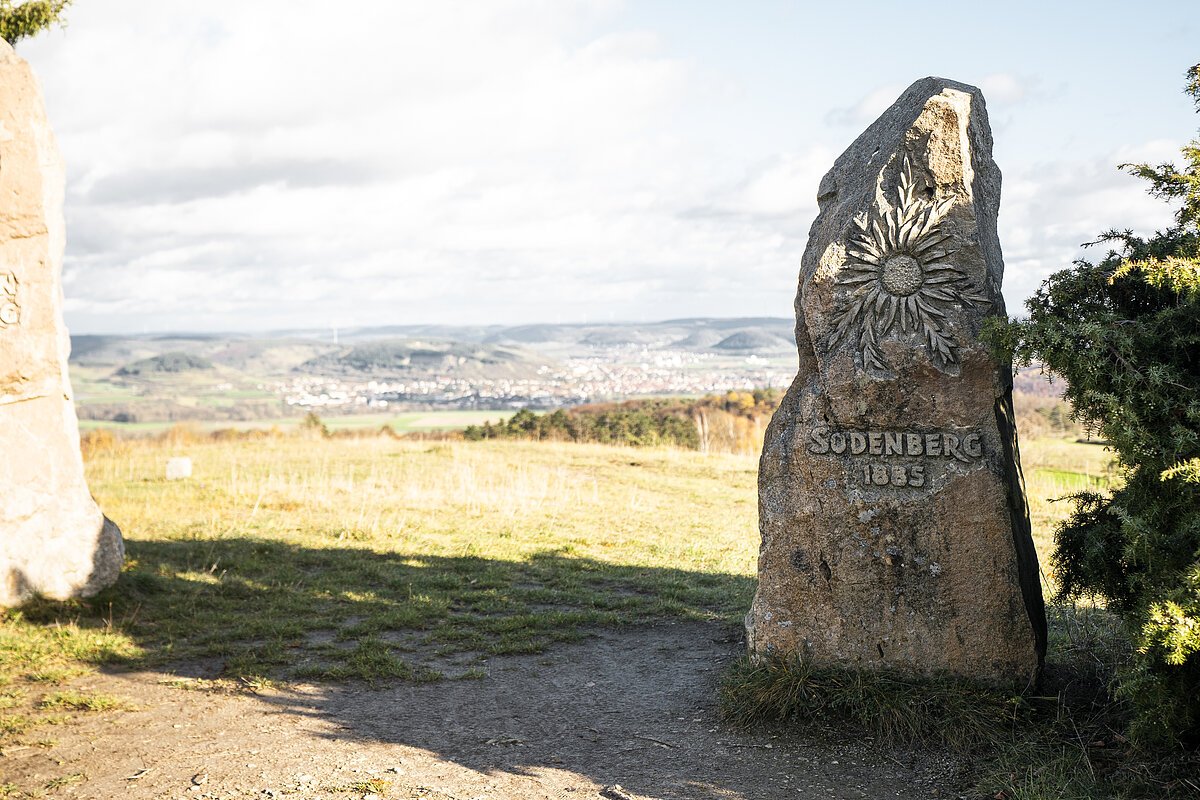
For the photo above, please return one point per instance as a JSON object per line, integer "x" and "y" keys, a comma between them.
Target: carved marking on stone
{"x": 966, "y": 448}
{"x": 10, "y": 310}
{"x": 881, "y": 449}
{"x": 899, "y": 274}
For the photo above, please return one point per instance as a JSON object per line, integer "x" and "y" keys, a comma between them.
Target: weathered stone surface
{"x": 53, "y": 539}
{"x": 895, "y": 532}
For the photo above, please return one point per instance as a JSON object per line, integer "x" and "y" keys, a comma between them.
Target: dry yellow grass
{"x": 503, "y": 500}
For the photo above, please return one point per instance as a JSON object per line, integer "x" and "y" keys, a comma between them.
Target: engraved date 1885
{"x": 893, "y": 475}
{"x": 896, "y": 458}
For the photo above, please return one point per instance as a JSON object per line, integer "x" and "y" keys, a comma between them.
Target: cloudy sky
{"x": 257, "y": 164}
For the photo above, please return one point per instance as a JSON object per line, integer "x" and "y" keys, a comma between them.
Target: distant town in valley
{"x": 248, "y": 377}
{"x": 154, "y": 378}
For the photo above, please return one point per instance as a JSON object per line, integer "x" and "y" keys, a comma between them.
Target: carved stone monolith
{"x": 54, "y": 541}
{"x": 895, "y": 531}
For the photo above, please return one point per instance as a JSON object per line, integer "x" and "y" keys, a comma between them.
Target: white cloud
{"x": 868, "y": 108}
{"x": 784, "y": 186}
{"x": 999, "y": 89}
{"x": 251, "y": 165}
{"x": 221, "y": 156}
{"x": 1003, "y": 88}
{"x": 1048, "y": 211}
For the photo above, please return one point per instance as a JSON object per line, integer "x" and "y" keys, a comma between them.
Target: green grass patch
{"x": 83, "y": 701}
{"x": 49, "y": 642}
{"x": 376, "y": 786}
{"x": 65, "y": 780}
{"x": 15, "y": 724}
{"x": 1069, "y": 482}
{"x": 58, "y": 673}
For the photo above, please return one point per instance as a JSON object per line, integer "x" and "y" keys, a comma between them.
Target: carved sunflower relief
{"x": 900, "y": 278}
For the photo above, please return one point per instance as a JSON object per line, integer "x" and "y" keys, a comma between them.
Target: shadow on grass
{"x": 254, "y": 609}
{"x": 635, "y": 704}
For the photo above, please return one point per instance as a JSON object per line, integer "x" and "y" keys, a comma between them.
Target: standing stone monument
{"x": 53, "y": 539}
{"x": 895, "y": 532}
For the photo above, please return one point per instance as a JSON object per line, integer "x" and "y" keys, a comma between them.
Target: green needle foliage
{"x": 1124, "y": 333}
{"x": 29, "y": 18}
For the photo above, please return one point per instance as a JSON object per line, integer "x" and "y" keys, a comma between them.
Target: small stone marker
{"x": 895, "y": 531}
{"x": 53, "y": 539}
{"x": 179, "y": 468}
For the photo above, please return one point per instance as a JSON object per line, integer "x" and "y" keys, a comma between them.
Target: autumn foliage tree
{"x": 1124, "y": 334}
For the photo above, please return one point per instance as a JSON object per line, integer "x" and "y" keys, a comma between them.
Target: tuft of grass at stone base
{"x": 1016, "y": 747}
{"x": 893, "y": 708}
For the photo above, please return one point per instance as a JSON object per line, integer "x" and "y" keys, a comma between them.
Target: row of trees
{"x": 731, "y": 422}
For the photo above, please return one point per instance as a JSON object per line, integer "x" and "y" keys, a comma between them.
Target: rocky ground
{"x": 623, "y": 714}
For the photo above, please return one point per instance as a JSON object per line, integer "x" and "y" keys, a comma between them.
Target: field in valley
{"x": 407, "y": 422}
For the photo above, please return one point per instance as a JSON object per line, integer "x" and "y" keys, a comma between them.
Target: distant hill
{"x": 290, "y": 348}
{"x": 620, "y": 337}
{"x": 728, "y": 323}
{"x": 699, "y": 340}
{"x": 405, "y": 358}
{"x": 441, "y": 333}
{"x": 469, "y": 350}
{"x": 268, "y": 356}
{"x": 752, "y": 340}
{"x": 261, "y": 356}
{"x": 166, "y": 363}
{"x": 536, "y": 334}
{"x": 83, "y": 348}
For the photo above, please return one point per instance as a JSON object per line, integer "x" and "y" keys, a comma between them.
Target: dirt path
{"x": 626, "y": 713}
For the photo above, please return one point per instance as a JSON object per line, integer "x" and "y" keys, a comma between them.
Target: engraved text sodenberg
{"x": 966, "y": 448}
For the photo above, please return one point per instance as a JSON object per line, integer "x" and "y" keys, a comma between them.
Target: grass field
{"x": 370, "y": 558}
{"x": 374, "y": 558}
